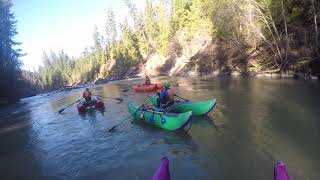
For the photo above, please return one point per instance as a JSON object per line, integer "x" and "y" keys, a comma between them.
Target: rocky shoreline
{"x": 213, "y": 74}
{"x": 216, "y": 73}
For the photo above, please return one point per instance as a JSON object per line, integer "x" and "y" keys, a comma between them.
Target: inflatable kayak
{"x": 144, "y": 88}
{"x": 159, "y": 85}
{"x": 163, "y": 172}
{"x": 197, "y": 108}
{"x": 147, "y": 88}
{"x": 168, "y": 121}
{"x": 280, "y": 171}
{"x": 94, "y": 104}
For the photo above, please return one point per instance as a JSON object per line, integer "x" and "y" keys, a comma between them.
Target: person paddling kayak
{"x": 147, "y": 82}
{"x": 87, "y": 95}
{"x": 165, "y": 96}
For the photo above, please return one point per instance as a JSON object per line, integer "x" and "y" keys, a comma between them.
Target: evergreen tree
{"x": 164, "y": 24}
{"x": 97, "y": 48}
{"x": 9, "y": 55}
{"x": 111, "y": 29}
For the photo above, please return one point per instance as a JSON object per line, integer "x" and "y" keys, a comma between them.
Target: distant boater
{"x": 147, "y": 82}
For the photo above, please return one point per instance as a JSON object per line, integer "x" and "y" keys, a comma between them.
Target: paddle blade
{"x": 61, "y": 110}
{"x": 280, "y": 171}
{"x": 126, "y": 90}
{"x": 163, "y": 172}
{"x": 119, "y": 99}
{"x": 111, "y": 129}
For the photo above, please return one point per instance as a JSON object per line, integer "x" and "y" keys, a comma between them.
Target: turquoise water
{"x": 255, "y": 123}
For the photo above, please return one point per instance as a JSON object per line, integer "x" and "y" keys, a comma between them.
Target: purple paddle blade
{"x": 280, "y": 171}
{"x": 162, "y": 172}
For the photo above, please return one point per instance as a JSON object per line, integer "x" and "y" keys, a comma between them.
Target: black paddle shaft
{"x": 61, "y": 110}
{"x": 119, "y": 99}
{"x": 129, "y": 115}
{"x": 181, "y": 97}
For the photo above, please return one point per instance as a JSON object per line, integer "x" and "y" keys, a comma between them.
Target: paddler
{"x": 87, "y": 95}
{"x": 147, "y": 82}
{"x": 165, "y": 96}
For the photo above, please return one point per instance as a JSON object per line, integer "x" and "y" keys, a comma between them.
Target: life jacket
{"x": 166, "y": 95}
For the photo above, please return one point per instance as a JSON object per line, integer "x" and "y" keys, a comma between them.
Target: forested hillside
{"x": 196, "y": 37}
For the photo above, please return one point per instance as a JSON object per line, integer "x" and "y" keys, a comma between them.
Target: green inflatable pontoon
{"x": 197, "y": 108}
{"x": 168, "y": 121}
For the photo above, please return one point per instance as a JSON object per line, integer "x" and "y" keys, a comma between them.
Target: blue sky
{"x": 45, "y": 25}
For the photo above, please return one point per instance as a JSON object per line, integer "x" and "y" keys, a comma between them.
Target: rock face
{"x": 79, "y": 83}
{"x": 287, "y": 75}
{"x": 235, "y": 74}
{"x": 314, "y": 77}
{"x": 180, "y": 55}
{"x": 216, "y": 73}
{"x": 99, "y": 81}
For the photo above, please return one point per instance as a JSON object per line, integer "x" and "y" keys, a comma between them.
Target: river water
{"x": 255, "y": 123}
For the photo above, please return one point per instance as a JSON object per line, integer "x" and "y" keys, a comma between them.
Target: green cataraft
{"x": 169, "y": 121}
{"x": 197, "y": 108}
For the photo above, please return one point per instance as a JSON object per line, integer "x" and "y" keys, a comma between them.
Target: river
{"x": 255, "y": 123}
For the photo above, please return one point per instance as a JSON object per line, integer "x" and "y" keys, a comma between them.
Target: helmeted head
{"x": 87, "y": 89}
{"x": 166, "y": 85}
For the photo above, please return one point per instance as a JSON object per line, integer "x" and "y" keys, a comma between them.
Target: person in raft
{"x": 165, "y": 96}
{"x": 87, "y": 95}
{"x": 147, "y": 82}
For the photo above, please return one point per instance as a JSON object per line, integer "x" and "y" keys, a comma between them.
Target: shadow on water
{"x": 204, "y": 122}
{"x": 91, "y": 114}
{"x": 17, "y": 156}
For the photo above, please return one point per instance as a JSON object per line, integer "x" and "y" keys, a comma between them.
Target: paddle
{"x": 119, "y": 99}
{"x": 126, "y": 90}
{"x": 155, "y": 112}
{"x": 181, "y": 97}
{"x": 174, "y": 106}
{"x": 129, "y": 116}
{"x": 61, "y": 110}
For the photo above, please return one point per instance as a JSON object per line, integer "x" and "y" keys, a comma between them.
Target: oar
{"x": 119, "y": 99}
{"x": 61, "y": 110}
{"x": 177, "y": 105}
{"x": 165, "y": 109}
{"x": 129, "y": 116}
{"x": 181, "y": 97}
{"x": 155, "y": 112}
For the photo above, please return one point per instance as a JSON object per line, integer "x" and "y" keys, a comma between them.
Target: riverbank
{"x": 192, "y": 74}
{"x": 219, "y": 74}
{"x": 216, "y": 73}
